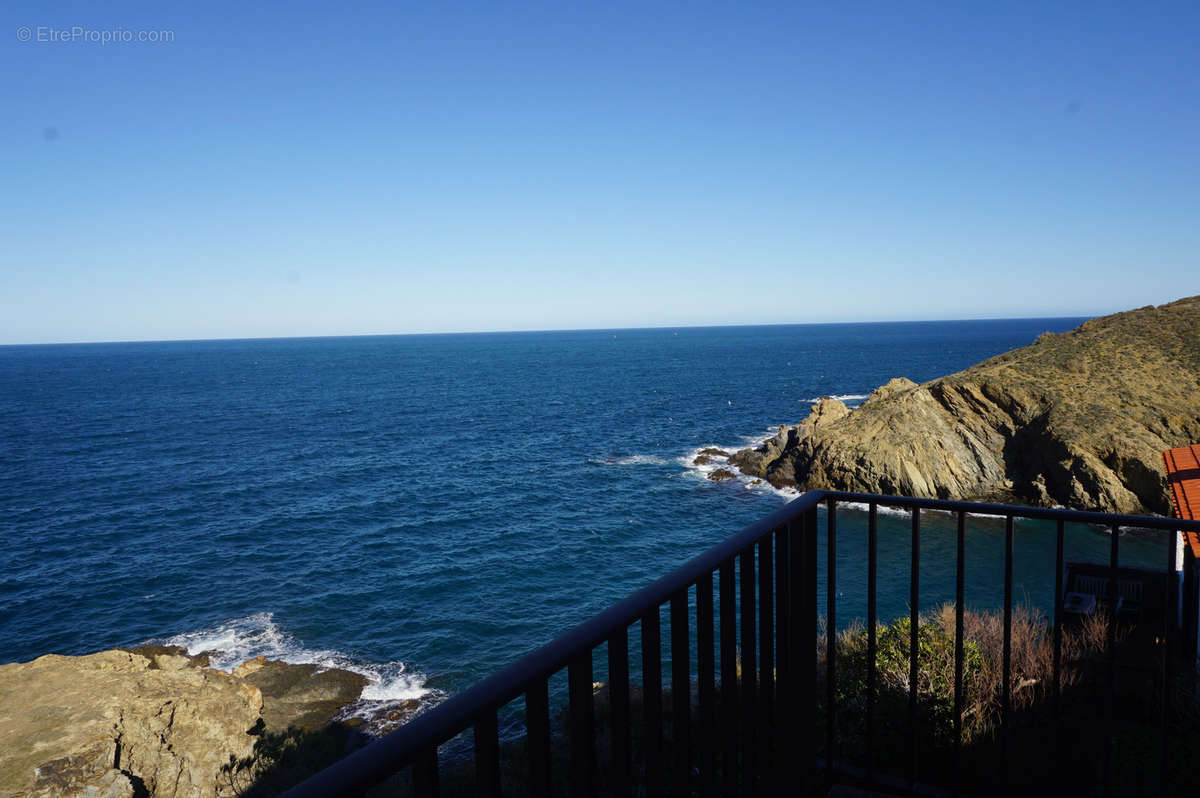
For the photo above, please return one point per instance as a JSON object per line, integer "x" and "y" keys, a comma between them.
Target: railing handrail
{"x": 1016, "y": 510}
{"x": 384, "y": 757}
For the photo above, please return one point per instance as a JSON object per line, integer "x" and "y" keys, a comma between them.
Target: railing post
{"x": 766, "y": 663}
{"x": 582, "y": 731}
{"x": 729, "y": 680}
{"x": 652, "y": 715}
{"x": 1006, "y": 656}
{"x": 1114, "y": 575}
{"x": 681, "y": 697}
{"x": 1191, "y": 604}
{"x": 487, "y": 755}
{"x": 802, "y": 661}
{"x": 537, "y": 724}
{"x": 425, "y": 774}
{"x": 749, "y": 686}
{"x": 1170, "y": 621}
{"x": 1059, "y": 619}
{"x": 872, "y": 623}
{"x": 786, "y": 742}
{"x": 960, "y": 565}
{"x": 830, "y": 637}
{"x": 706, "y": 690}
{"x": 620, "y": 756}
{"x": 914, "y": 649}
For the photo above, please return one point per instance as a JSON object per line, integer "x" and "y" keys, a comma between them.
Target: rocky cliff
{"x": 150, "y": 721}
{"x": 1077, "y": 419}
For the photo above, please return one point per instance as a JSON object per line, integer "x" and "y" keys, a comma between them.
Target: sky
{"x": 257, "y": 170}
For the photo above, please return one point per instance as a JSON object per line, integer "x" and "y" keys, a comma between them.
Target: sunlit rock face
{"x": 150, "y": 721}
{"x": 117, "y": 723}
{"x": 1078, "y": 419}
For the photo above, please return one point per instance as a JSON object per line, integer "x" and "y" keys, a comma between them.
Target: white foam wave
{"x": 394, "y": 686}
{"x": 232, "y": 643}
{"x": 229, "y": 644}
{"x": 702, "y": 470}
{"x": 881, "y": 509}
{"x": 633, "y": 459}
{"x": 642, "y": 459}
{"x": 717, "y": 460}
{"x": 841, "y": 397}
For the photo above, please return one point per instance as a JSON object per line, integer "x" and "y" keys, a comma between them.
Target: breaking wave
{"x": 702, "y": 470}
{"x": 633, "y": 459}
{"x": 391, "y": 686}
{"x": 841, "y": 397}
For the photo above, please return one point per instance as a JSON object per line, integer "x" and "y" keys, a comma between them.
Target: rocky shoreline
{"x": 1078, "y": 419}
{"x": 156, "y": 721}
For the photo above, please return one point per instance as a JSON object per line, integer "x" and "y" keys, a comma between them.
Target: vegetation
{"x": 1054, "y": 737}
{"x": 1032, "y": 666}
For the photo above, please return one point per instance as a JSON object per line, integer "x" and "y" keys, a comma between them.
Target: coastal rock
{"x": 1076, "y": 419}
{"x": 710, "y": 454}
{"x": 300, "y": 696}
{"x": 169, "y": 658}
{"x": 722, "y": 474}
{"x": 115, "y": 724}
{"x": 755, "y": 462}
{"x": 150, "y": 720}
{"x": 394, "y": 716}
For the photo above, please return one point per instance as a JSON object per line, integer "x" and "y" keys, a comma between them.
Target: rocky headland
{"x": 154, "y": 721}
{"x": 1077, "y": 419}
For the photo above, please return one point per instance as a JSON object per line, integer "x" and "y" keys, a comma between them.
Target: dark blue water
{"x": 424, "y": 508}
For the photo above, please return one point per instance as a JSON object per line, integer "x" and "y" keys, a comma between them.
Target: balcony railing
{"x": 752, "y": 703}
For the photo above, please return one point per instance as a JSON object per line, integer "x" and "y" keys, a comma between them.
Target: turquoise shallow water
{"x": 422, "y": 508}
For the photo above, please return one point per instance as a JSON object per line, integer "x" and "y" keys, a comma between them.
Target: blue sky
{"x": 401, "y": 167}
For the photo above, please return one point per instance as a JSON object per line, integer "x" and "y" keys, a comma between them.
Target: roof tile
{"x": 1183, "y": 477}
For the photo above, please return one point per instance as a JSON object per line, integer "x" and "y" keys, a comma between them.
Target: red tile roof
{"x": 1183, "y": 476}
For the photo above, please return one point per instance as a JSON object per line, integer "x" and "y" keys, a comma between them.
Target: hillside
{"x": 1077, "y": 419}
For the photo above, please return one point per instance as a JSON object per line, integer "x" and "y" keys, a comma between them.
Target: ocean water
{"x": 425, "y": 509}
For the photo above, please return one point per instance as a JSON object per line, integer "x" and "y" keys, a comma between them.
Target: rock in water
{"x": 302, "y": 696}
{"x": 1077, "y": 419}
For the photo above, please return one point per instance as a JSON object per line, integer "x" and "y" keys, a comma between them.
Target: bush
{"x": 935, "y": 672}
{"x": 1031, "y": 674}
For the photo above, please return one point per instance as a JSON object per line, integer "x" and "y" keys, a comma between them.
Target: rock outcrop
{"x": 121, "y": 724}
{"x": 300, "y": 696}
{"x": 1077, "y": 419}
{"x": 149, "y": 721}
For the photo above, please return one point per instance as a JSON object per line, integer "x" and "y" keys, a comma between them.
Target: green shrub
{"x": 935, "y": 673}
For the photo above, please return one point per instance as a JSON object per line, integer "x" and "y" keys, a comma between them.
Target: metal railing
{"x": 755, "y": 723}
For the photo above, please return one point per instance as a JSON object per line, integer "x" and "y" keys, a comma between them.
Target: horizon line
{"x": 541, "y": 330}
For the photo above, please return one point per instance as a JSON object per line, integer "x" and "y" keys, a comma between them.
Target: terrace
{"x": 768, "y": 690}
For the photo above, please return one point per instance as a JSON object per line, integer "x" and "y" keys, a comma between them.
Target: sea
{"x": 424, "y": 509}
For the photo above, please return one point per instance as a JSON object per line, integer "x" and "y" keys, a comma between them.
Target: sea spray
{"x": 392, "y": 689}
